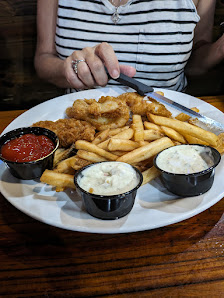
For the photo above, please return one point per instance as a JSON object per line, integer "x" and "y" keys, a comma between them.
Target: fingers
{"x": 95, "y": 68}
{"x": 109, "y": 59}
{"x": 71, "y": 77}
{"x": 91, "y": 72}
{"x": 87, "y": 74}
{"x": 84, "y": 74}
{"x": 128, "y": 70}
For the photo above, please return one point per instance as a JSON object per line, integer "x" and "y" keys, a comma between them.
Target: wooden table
{"x": 181, "y": 260}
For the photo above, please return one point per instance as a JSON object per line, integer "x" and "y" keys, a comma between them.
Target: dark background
{"x": 20, "y": 88}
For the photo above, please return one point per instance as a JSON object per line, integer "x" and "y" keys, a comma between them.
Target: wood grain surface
{"x": 181, "y": 260}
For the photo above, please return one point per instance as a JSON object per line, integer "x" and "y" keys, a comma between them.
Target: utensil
{"x": 197, "y": 118}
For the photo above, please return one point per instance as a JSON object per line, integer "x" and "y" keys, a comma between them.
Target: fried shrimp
{"x": 108, "y": 112}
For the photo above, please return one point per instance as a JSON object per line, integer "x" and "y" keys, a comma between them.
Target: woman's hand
{"x": 91, "y": 72}
{"x": 60, "y": 72}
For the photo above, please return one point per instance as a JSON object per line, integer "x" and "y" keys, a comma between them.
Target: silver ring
{"x": 75, "y": 64}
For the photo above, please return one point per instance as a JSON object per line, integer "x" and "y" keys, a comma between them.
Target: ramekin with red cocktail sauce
{"x": 28, "y": 151}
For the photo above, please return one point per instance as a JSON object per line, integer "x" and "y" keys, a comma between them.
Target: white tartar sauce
{"x": 185, "y": 159}
{"x": 108, "y": 178}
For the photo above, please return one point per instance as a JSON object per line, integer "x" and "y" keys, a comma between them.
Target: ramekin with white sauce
{"x": 108, "y": 189}
{"x": 187, "y": 169}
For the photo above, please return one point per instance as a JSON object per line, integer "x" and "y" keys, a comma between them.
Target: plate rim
{"x": 97, "y": 230}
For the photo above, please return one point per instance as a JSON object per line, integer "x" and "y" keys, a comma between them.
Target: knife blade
{"x": 196, "y": 118}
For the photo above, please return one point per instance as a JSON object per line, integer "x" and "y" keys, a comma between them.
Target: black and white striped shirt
{"x": 154, "y": 36}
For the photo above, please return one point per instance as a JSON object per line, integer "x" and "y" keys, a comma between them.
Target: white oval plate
{"x": 154, "y": 206}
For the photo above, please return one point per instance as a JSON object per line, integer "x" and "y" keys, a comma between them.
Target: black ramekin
{"x": 32, "y": 169}
{"x": 111, "y": 206}
{"x": 187, "y": 185}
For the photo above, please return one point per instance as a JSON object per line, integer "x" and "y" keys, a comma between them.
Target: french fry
{"x": 150, "y": 174}
{"x": 193, "y": 140}
{"x": 64, "y": 166}
{"x": 126, "y": 134}
{"x": 150, "y": 125}
{"x": 151, "y": 134}
{"x": 57, "y": 156}
{"x": 78, "y": 163}
{"x": 120, "y": 153}
{"x": 176, "y": 143}
{"x": 122, "y": 145}
{"x": 73, "y": 160}
{"x": 84, "y": 145}
{"x": 147, "y": 163}
{"x": 173, "y": 134}
{"x": 61, "y": 154}
{"x": 115, "y": 131}
{"x": 90, "y": 156}
{"x": 60, "y": 180}
{"x": 138, "y": 128}
{"x": 143, "y": 143}
{"x": 220, "y": 145}
{"x": 185, "y": 117}
{"x": 140, "y": 167}
{"x": 145, "y": 152}
{"x": 104, "y": 144}
{"x": 102, "y": 136}
{"x": 185, "y": 128}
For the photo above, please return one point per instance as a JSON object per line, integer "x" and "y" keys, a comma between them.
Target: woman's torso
{"x": 153, "y": 36}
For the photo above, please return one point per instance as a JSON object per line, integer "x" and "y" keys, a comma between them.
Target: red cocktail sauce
{"x": 28, "y": 147}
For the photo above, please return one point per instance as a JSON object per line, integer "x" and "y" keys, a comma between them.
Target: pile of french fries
{"x": 135, "y": 144}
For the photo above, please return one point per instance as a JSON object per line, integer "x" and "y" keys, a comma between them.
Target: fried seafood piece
{"x": 135, "y": 102}
{"x": 141, "y": 105}
{"x": 108, "y": 112}
{"x": 69, "y": 130}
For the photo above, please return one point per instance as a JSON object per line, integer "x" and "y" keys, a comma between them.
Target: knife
{"x": 196, "y": 118}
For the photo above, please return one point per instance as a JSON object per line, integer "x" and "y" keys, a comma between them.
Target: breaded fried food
{"x": 141, "y": 105}
{"x": 114, "y": 112}
{"x": 135, "y": 102}
{"x": 108, "y": 112}
{"x": 69, "y": 130}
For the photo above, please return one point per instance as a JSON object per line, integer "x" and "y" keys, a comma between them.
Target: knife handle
{"x": 141, "y": 88}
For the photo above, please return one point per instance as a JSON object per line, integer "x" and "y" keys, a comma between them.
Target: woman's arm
{"x": 205, "y": 54}
{"x": 48, "y": 66}
{"x": 60, "y": 72}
